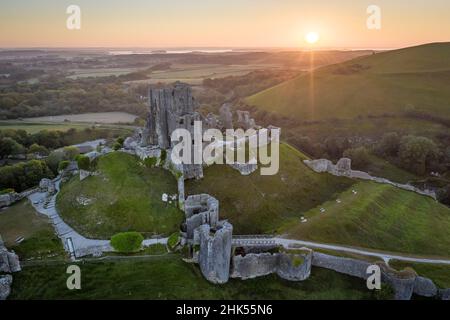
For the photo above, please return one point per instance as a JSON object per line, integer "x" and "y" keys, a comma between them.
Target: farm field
{"x": 99, "y": 72}
{"x": 379, "y": 217}
{"x": 126, "y": 196}
{"x": 97, "y": 117}
{"x": 195, "y": 74}
{"x": 34, "y": 127}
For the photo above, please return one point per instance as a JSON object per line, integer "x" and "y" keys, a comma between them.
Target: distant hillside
{"x": 411, "y": 80}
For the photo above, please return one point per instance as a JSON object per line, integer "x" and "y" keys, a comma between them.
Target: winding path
{"x": 385, "y": 256}
{"x": 73, "y": 242}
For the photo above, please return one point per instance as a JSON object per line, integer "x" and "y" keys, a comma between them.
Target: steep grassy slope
{"x": 412, "y": 79}
{"x": 22, "y": 221}
{"x": 259, "y": 204}
{"x": 126, "y": 196}
{"x": 168, "y": 277}
{"x": 379, "y": 217}
{"x": 439, "y": 273}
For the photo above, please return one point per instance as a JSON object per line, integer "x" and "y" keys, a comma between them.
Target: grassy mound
{"x": 260, "y": 204}
{"x": 126, "y": 196}
{"x": 379, "y": 217}
{"x": 168, "y": 277}
{"x": 407, "y": 80}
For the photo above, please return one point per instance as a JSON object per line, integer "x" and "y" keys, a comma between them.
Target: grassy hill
{"x": 402, "y": 81}
{"x": 379, "y": 217}
{"x": 168, "y": 277}
{"x": 126, "y": 196}
{"x": 259, "y": 204}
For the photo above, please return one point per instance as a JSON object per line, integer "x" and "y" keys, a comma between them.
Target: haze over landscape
{"x": 361, "y": 101}
{"x": 215, "y": 23}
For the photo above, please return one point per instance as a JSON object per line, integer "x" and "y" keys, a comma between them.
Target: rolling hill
{"x": 399, "y": 82}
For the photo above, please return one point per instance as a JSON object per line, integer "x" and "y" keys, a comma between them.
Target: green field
{"x": 34, "y": 127}
{"x": 260, "y": 204}
{"x": 126, "y": 196}
{"x": 100, "y": 72}
{"x": 194, "y": 74}
{"x": 380, "y": 217}
{"x": 22, "y": 221}
{"x": 168, "y": 277}
{"x": 412, "y": 79}
{"x": 94, "y": 117}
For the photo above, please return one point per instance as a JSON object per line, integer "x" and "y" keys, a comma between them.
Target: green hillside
{"x": 126, "y": 196}
{"x": 378, "y": 216}
{"x": 409, "y": 80}
{"x": 259, "y": 204}
{"x": 169, "y": 277}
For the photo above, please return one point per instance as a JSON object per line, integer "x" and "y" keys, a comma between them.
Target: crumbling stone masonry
{"x": 343, "y": 168}
{"x": 289, "y": 266}
{"x": 170, "y": 108}
{"x": 215, "y": 251}
{"x": 9, "y": 261}
{"x": 200, "y": 209}
{"x": 5, "y": 286}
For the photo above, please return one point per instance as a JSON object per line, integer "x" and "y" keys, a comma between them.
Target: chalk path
{"x": 73, "y": 242}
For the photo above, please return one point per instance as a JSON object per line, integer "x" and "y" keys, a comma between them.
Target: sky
{"x": 224, "y": 24}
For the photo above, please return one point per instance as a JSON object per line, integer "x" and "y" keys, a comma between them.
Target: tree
{"x": 9, "y": 146}
{"x": 360, "y": 157}
{"x": 37, "y": 149}
{"x": 389, "y": 144}
{"x": 417, "y": 153}
{"x": 63, "y": 165}
{"x": 84, "y": 163}
{"x": 71, "y": 152}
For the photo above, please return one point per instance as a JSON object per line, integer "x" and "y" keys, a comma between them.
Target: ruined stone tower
{"x": 215, "y": 251}
{"x": 170, "y": 108}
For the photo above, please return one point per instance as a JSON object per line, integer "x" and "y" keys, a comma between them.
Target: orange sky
{"x": 231, "y": 23}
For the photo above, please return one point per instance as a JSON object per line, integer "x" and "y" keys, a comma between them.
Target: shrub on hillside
{"x": 127, "y": 241}
{"x": 63, "y": 165}
{"x": 38, "y": 149}
{"x": 417, "y": 153}
{"x": 150, "y": 162}
{"x": 389, "y": 144}
{"x": 84, "y": 163}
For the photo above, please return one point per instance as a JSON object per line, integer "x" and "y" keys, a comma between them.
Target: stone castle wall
{"x": 404, "y": 287}
{"x": 254, "y": 265}
{"x": 343, "y": 168}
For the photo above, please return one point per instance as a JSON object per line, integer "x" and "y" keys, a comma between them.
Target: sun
{"x": 312, "y": 37}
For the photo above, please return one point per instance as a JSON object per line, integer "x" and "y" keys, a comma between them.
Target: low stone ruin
{"x": 244, "y": 121}
{"x": 9, "y": 261}
{"x": 7, "y": 199}
{"x": 47, "y": 185}
{"x": 343, "y": 168}
{"x": 5, "y": 286}
{"x": 288, "y": 266}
